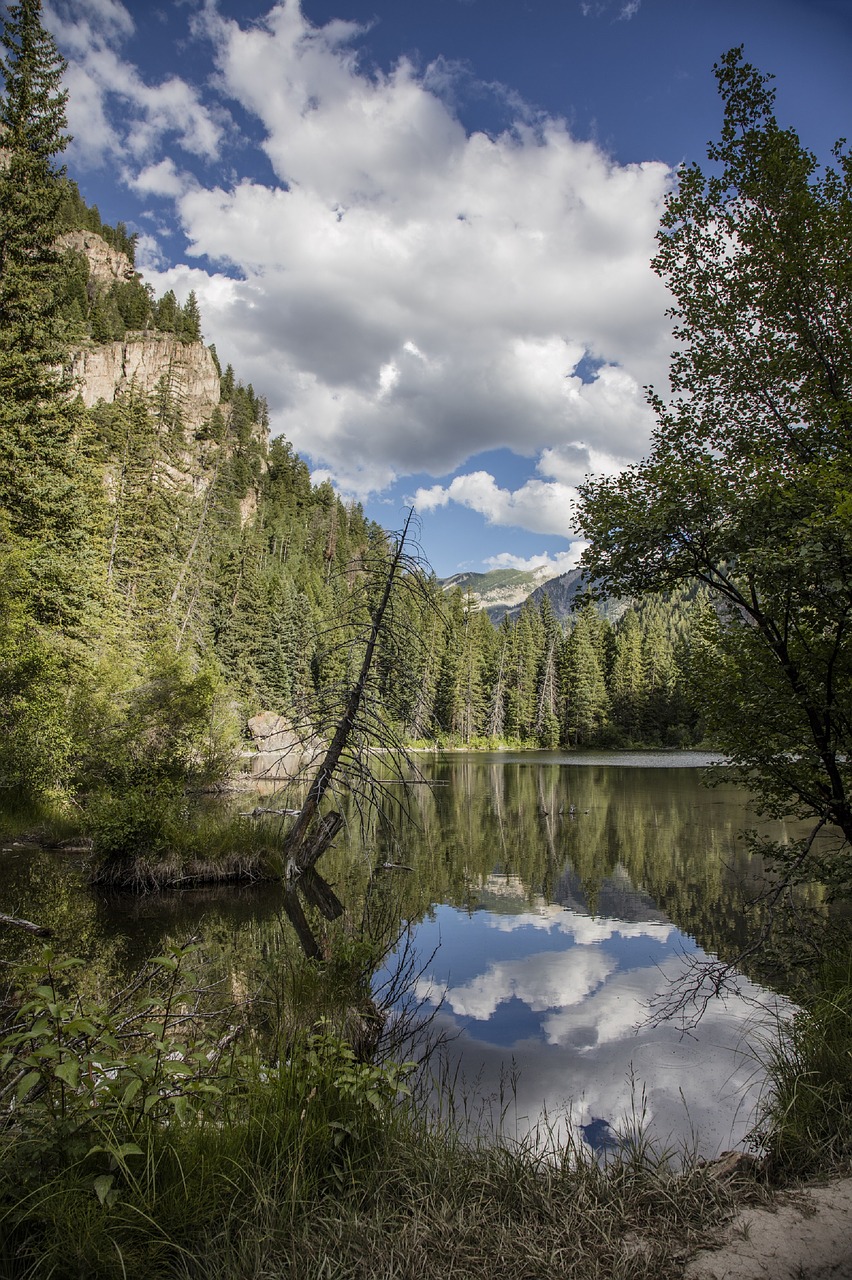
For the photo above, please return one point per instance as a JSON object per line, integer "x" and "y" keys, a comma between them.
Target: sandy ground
{"x": 808, "y": 1236}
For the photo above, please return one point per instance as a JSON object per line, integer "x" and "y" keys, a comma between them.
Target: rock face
{"x": 106, "y": 264}
{"x": 277, "y": 752}
{"x": 141, "y": 361}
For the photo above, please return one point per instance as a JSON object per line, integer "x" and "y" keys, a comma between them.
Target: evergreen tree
{"x": 547, "y": 693}
{"x": 46, "y": 489}
{"x": 190, "y": 320}
{"x": 587, "y": 701}
{"x": 627, "y": 685}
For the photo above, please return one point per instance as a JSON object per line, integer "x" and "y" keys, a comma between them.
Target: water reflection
{"x": 604, "y": 880}
{"x": 561, "y": 894}
{"x": 565, "y": 996}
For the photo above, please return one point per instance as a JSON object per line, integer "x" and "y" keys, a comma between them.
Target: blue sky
{"x": 422, "y": 231}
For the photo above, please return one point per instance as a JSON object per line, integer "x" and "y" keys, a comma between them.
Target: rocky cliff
{"x": 142, "y": 361}
{"x": 106, "y": 264}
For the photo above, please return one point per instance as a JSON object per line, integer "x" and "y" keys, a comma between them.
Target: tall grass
{"x": 806, "y": 1125}
{"x": 292, "y": 1186}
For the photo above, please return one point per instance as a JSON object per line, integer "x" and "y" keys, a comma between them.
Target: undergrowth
{"x": 155, "y": 1135}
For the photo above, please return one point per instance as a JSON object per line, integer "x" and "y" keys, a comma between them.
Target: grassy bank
{"x": 806, "y": 1125}
{"x": 152, "y": 1134}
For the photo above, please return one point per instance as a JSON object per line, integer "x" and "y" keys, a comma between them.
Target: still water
{"x": 551, "y": 898}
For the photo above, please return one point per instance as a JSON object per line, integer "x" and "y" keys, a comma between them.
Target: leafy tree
{"x": 748, "y": 486}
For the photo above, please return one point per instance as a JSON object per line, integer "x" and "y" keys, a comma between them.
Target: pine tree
{"x": 190, "y": 321}
{"x": 47, "y": 491}
{"x": 587, "y": 703}
{"x": 627, "y": 685}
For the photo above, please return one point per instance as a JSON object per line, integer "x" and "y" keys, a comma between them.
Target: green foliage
{"x": 746, "y": 490}
{"x": 154, "y": 1106}
{"x": 35, "y": 738}
{"x": 141, "y": 1144}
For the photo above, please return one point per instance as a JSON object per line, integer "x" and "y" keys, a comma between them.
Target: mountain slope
{"x": 500, "y": 591}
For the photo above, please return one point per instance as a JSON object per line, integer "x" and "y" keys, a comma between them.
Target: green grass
{"x": 283, "y": 1190}
{"x": 806, "y": 1125}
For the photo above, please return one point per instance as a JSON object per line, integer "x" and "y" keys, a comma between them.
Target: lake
{"x": 550, "y": 898}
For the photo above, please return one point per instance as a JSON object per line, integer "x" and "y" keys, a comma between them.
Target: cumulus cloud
{"x": 539, "y": 506}
{"x": 161, "y": 179}
{"x": 548, "y": 564}
{"x": 112, "y": 111}
{"x": 409, "y": 294}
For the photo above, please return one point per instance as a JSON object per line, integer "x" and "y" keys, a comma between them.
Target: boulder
{"x": 277, "y": 752}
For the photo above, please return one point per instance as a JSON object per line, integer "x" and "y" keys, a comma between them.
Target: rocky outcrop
{"x": 106, "y": 265}
{"x": 277, "y": 752}
{"x": 142, "y": 361}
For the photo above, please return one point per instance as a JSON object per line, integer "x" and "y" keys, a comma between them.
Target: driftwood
{"x": 40, "y": 931}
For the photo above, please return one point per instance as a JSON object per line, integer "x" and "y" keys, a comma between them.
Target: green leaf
{"x": 128, "y": 1149}
{"x": 103, "y": 1186}
{"x": 69, "y": 1072}
{"x": 131, "y": 1091}
{"x": 30, "y": 1080}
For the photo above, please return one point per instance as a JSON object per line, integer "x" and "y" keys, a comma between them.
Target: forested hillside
{"x": 176, "y": 576}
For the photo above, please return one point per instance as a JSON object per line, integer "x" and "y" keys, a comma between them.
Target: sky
{"x": 423, "y": 230}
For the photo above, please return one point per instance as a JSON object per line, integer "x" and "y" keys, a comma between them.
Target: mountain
{"x": 500, "y": 591}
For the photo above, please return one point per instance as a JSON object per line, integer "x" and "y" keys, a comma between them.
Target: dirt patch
{"x": 807, "y": 1235}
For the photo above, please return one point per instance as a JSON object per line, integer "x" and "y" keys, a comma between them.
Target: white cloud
{"x": 111, "y": 110}
{"x": 161, "y": 179}
{"x": 540, "y": 506}
{"x": 406, "y": 294}
{"x": 412, "y": 295}
{"x": 552, "y": 565}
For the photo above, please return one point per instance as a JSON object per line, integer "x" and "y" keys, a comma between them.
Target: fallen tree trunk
{"x": 40, "y": 931}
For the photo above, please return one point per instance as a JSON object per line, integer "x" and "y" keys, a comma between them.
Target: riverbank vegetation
{"x": 152, "y": 1134}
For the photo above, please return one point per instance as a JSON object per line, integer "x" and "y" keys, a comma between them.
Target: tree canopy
{"x": 747, "y": 487}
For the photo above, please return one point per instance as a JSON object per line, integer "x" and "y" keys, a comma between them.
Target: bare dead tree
{"x": 361, "y": 728}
